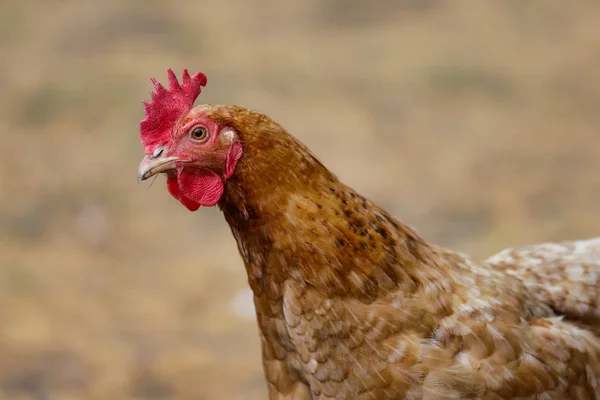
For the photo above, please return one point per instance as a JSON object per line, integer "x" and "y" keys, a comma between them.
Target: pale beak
{"x": 151, "y": 166}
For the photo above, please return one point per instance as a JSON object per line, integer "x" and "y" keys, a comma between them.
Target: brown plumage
{"x": 353, "y": 304}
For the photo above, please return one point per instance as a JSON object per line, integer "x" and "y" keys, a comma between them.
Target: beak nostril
{"x": 158, "y": 151}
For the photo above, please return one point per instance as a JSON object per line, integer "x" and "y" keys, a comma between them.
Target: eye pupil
{"x": 199, "y": 133}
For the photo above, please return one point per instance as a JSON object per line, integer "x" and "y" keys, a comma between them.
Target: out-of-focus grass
{"x": 477, "y": 123}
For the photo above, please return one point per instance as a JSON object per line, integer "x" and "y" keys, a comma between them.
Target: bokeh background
{"x": 476, "y": 122}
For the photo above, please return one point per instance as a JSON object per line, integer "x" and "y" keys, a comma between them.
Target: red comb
{"x": 168, "y": 106}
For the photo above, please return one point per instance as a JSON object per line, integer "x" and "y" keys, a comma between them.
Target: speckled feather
{"x": 353, "y": 304}
{"x": 565, "y": 276}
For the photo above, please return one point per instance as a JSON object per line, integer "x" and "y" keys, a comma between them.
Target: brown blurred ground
{"x": 476, "y": 122}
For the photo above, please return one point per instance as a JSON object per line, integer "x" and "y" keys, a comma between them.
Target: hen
{"x": 352, "y": 303}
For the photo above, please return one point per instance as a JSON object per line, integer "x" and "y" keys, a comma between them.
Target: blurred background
{"x": 475, "y": 122}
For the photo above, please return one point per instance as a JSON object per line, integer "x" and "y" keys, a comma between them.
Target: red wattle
{"x": 201, "y": 186}
{"x": 194, "y": 188}
{"x": 173, "y": 187}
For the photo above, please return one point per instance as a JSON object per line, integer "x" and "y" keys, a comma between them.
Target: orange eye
{"x": 199, "y": 132}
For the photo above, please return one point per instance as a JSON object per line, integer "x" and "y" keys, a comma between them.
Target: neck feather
{"x": 292, "y": 218}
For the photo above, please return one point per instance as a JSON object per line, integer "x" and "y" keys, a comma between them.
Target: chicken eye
{"x": 199, "y": 132}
